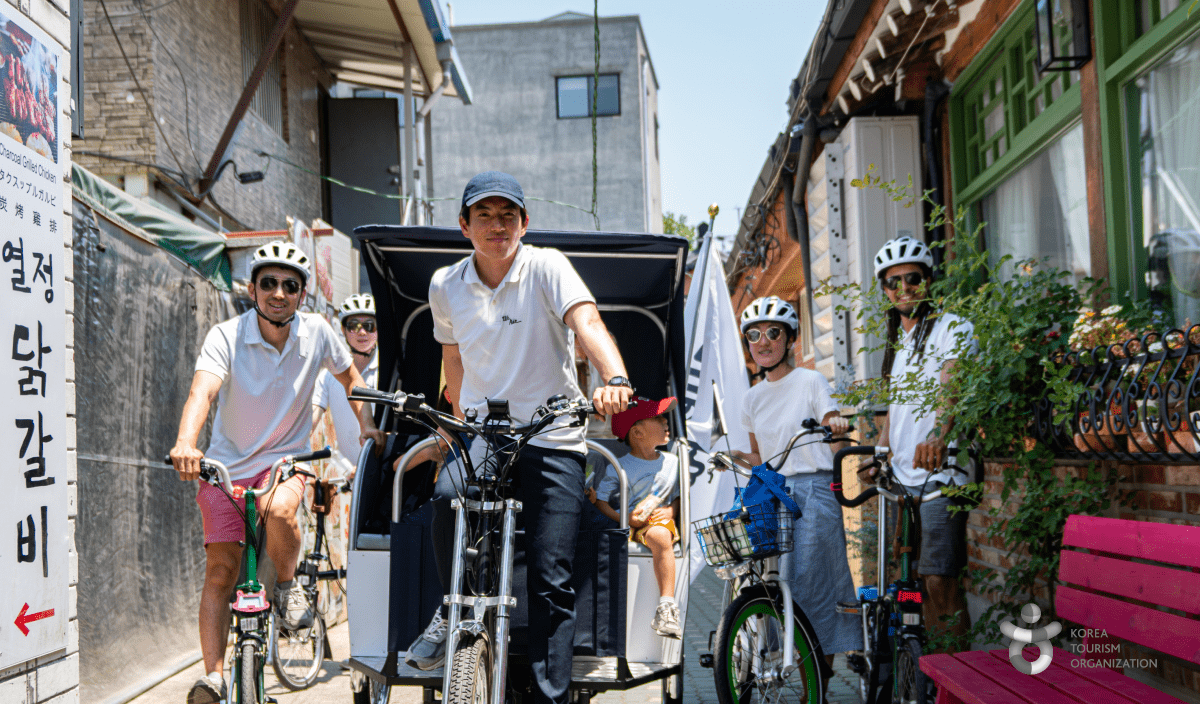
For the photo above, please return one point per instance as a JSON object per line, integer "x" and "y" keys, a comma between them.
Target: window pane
{"x": 573, "y": 97}
{"x": 608, "y": 98}
{"x": 1041, "y": 211}
{"x": 1168, "y": 100}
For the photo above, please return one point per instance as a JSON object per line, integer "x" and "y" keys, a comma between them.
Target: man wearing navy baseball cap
{"x": 507, "y": 317}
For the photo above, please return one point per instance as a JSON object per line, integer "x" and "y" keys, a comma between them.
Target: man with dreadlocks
{"x": 922, "y": 346}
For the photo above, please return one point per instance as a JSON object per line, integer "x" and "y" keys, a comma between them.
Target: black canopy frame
{"x": 637, "y": 280}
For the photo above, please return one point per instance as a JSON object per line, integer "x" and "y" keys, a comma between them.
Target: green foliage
{"x": 1021, "y": 326}
{"x": 677, "y": 225}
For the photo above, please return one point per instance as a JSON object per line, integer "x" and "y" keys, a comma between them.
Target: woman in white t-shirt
{"x": 772, "y": 412}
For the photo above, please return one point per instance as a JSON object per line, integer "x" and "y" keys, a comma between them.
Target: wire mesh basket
{"x": 755, "y": 532}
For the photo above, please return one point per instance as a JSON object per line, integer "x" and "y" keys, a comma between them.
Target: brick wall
{"x": 54, "y": 679}
{"x": 188, "y": 58}
{"x": 1162, "y": 494}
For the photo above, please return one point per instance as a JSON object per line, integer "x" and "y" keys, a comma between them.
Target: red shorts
{"x": 222, "y": 522}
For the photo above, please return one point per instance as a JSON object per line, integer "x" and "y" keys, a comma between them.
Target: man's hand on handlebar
{"x": 611, "y": 399}
{"x": 837, "y": 424}
{"x": 373, "y": 434}
{"x": 186, "y": 460}
{"x": 930, "y": 454}
{"x": 867, "y": 473}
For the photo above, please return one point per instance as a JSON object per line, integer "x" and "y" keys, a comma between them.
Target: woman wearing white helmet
{"x": 357, "y": 315}
{"x": 772, "y": 412}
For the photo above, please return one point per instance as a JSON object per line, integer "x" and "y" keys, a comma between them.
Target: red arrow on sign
{"x": 23, "y": 619}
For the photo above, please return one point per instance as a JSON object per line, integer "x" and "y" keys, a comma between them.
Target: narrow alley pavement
{"x": 333, "y": 684}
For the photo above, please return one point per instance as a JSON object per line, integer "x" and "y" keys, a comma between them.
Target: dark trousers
{"x": 549, "y": 485}
{"x": 550, "y": 489}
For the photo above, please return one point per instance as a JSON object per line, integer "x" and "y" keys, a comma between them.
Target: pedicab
{"x": 393, "y": 587}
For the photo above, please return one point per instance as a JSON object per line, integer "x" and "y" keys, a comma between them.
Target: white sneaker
{"x": 293, "y": 608}
{"x": 428, "y": 651}
{"x": 666, "y": 620}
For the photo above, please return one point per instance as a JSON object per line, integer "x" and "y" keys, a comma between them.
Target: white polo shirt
{"x": 774, "y": 410}
{"x": 331, "y": 396}
{"x": 512, "y": 339}
{"x": 911, "y": 420}
{"x": 264, "y": 406}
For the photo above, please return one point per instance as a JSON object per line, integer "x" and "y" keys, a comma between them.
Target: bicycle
{"x": 750, "y": 548}
{"x": 296, "y": 656}
{"x": 246, "y": 673}
{"x": 894, "y": 633}
{"x": 484, "y": 534}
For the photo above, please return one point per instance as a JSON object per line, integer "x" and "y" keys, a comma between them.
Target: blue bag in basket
{"x": 759, "y": 498}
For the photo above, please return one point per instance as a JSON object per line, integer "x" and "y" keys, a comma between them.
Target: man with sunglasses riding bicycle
{"x": 260, "y": 368}
{"x": 922, "y": 346}
{"x": 506, "y": 318}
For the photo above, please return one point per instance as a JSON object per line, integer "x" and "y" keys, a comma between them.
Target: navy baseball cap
{"x": 493, "y": 183}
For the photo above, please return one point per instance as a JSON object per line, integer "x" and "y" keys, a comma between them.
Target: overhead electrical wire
{"x": 141, "y": 91}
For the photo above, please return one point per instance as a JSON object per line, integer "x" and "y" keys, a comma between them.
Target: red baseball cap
{"x": 645, "y": 408}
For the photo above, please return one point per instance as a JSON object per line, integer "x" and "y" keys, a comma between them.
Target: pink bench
{"x": 1102, "y": 590}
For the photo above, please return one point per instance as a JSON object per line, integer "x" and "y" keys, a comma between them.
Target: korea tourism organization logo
{"x": 1022, "y": 637}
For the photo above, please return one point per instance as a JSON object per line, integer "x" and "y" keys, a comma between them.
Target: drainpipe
{"x": 935, "y": 92}
{"x": 798, "y": 222}
{"x": 437, "y": 92}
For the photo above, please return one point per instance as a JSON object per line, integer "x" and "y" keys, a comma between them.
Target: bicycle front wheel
{"x": 470, "y": 676}
{"x": 296, "y": 656}
{"x": 749, "y": 656}
{"x": 249, "y": 675}
{"x": 912, "y": 685}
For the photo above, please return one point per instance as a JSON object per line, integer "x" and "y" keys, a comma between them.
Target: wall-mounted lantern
{"x": 1063, "y": 40}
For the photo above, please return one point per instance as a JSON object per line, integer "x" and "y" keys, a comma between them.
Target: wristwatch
{"x": 619, "y": 381}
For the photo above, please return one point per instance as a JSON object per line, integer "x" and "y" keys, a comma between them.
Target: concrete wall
{"x": 513, "y": 124}
{"x": 188, "y": 59}
{"x": 55, "y": 678}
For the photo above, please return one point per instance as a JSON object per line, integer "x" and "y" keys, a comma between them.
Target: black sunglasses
{"x": 912, "y": 278}
{"x": 291, "y": 287}
{"x": 773, "y": 334}
{"x": 356, "y": 325}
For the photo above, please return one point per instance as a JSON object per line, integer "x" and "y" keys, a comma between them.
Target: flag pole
{"x": 702, "y": 270}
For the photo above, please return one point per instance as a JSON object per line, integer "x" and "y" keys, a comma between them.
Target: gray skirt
{"x": 820, "y": 572}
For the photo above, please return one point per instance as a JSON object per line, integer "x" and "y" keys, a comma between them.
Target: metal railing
{"x": 1140, "y": 403}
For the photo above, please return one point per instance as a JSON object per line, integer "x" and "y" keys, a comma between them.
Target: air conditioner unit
{"x": 848, "y": 225}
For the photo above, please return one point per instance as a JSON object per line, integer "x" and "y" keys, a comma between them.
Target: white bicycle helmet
{"x": 902, "y": 250}
{"x": 770, "y": 309}
{"x": 280, "y": 253}
{"x": 358, "y": 304}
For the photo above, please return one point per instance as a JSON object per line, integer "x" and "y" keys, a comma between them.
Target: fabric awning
{"x": 201, "y": 249}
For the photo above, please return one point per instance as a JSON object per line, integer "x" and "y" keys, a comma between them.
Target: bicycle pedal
{"x": 706, "y": 660}
{"x": 847, "y": 607}
{"x": 271, "y": 700}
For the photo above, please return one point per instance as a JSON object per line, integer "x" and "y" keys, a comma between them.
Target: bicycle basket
{"x": 755, "y": 532}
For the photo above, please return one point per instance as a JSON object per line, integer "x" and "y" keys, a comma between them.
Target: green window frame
{"x": 1003, "y": 82}
{"x": 1125, "y": 49}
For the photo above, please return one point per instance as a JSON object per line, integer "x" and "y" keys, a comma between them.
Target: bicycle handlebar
{"x": 209, "y": 467}
{"x": 880, "y": 452}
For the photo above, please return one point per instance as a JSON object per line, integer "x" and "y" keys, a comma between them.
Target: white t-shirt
{"x": 774, "y": 410}
{"x": 264, "y": 408}
{"x": 911, "y": 420}
{"x": 331, "y": 396}
{"x": 512, "y": 339}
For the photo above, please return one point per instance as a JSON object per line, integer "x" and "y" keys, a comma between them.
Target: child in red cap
{"x": 653, "y": 485}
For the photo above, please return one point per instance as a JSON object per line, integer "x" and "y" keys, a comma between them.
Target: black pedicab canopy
{"x": 637, "y": 280}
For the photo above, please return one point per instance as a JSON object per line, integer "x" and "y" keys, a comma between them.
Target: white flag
{"x": 716, "y": 384}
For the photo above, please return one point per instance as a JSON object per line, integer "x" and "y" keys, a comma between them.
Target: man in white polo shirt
{"x": 506, "y": 317}
{"x": 260, "y": 368}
